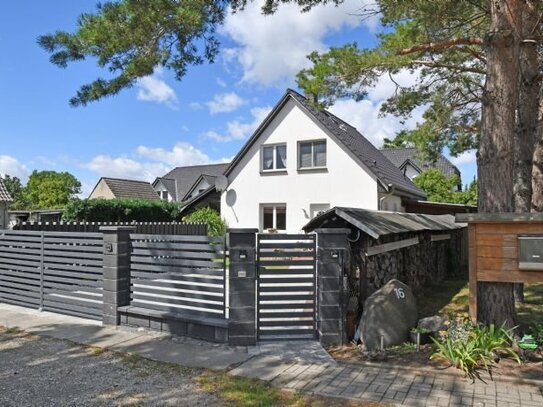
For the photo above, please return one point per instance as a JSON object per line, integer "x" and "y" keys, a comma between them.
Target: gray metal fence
{"x": 53, "y": 271}
{"x": 160, "y": 228}
{"x": 178, "y": 274}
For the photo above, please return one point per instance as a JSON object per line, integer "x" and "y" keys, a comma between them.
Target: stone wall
{"x": 416, "y": 265}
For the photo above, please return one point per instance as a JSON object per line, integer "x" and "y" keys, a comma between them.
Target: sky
{"x": 161, "y": 123}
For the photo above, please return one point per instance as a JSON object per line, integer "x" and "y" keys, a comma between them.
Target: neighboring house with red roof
{"x": 5, "y": 200}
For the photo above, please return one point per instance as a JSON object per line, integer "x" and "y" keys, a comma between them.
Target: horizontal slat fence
{"x": 54, "y": 271}
{"x": 158, "y": 228}
{"x": 286, "y": 286}
{"x": 178, "y": 274}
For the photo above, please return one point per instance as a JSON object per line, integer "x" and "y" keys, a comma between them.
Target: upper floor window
{"x": 274, "y": 157}
{"x": 164, "y": 195}
{"x": 312, "y": 154}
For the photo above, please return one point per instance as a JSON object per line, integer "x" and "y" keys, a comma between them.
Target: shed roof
{"x": 4, "y": 194}
{"x": 381, "y": 223}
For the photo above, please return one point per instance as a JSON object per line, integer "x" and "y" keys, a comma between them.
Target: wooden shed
{"x": 505, "y": 248}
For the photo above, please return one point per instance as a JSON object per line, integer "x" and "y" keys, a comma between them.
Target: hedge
{"x": 121, "y": 210}
{"x": 216, "y": 226}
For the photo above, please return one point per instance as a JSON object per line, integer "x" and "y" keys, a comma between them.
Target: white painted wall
{"x": 345, "y": 183}
{"x": 159, "y": 188}
{"x": 201, "y": 186}
{"x": 391, "y": 203}
{"x": 4, "y": 215}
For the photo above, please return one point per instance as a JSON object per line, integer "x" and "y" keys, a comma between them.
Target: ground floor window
{"x": 273, "y": 217}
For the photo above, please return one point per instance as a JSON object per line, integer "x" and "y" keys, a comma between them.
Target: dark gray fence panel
{"x": 72, "y": 282}
{"x": 286, "y": 287}
{"x": 54, "y": 271}
{"x": 20, "y": 268}
{"x": 178, "y": 274}
{"x": 162, "y": 228}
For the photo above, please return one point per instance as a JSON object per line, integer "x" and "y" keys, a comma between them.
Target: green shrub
{"x": 472, "y": 349}
{"x": 216, "y": 226}
{"x": 121, "y": 210}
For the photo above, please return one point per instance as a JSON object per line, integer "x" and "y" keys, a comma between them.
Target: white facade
{"x": 200, "y": 187}
{"x": 162, "y": 192}
{"x": 4, "y": 219}
{"x": 304, "y": 193}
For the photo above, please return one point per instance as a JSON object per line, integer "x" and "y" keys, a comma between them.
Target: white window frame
{"x": 274, "y": 206}
{"x": 274, "y": 157}
{"x": 312, "y": 142}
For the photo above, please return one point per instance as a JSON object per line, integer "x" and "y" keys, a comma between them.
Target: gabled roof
{"x": 381, "y": 223}
{"x": 169, "y": 184}
{"x": 386, "y": 173}
{"x": 210, "y": 179}
{"x": 185, "y": 177}
{"x": 127, "y": 188}
{"x": 401, "y": 156}
{"x": 4, "y": 194}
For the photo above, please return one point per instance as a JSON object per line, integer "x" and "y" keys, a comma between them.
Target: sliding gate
{"x": 286, "y": 286}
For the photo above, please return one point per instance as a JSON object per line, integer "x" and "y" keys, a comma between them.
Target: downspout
{"x": 391, "y": 189}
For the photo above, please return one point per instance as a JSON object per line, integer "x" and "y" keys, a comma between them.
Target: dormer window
{"x": 312, "y": 154}
{"x": 164, "y": 195}
{"x": 274, "y": 157}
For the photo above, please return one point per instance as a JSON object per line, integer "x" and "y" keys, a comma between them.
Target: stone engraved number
{"x": 400, "y": 294}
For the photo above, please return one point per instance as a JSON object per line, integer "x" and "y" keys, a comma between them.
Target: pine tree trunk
{"x": 527, "y": 115}
{"x": 496, "y": 302}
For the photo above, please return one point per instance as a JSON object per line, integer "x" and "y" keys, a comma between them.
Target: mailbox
{"x": 530, "y": 252}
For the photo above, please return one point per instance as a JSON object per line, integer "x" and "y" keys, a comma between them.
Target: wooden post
{"x": 472, "y": 242}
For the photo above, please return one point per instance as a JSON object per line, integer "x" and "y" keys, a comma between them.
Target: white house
{"x": 5, "y": 200}
{"x": 301, "y": 161}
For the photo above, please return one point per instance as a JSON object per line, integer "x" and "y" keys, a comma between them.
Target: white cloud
{"x": 238, "y": 130}
{"x": 181, "y": 154}
{"x": 196, "y": 106}
{"x": 153, "y": 89}
{"x": 272, "y": 49}
{"x": 225, "y": 102}
{"x": 147, "y": 163}
{"x": 365, "y": 116}
{"x": 467, "y": 157}
{"x": 220, "y": 82}
{"x": 386, "y": 85}
{"x": 11, "y": 166}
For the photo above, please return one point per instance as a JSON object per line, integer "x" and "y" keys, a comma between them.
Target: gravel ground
{"x": 37, "y": 371}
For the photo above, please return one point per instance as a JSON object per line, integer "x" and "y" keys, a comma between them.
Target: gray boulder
{"x": 434, "y": 324}
{"x": 390, "y": 312}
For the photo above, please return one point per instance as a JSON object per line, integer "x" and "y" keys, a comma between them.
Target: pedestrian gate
{"x": 286, "y": 286}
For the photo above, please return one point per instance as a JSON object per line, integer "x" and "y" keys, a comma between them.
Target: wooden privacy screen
{"x": 494, "y": 249}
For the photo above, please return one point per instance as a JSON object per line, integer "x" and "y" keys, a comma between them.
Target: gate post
{"x": 116, "y": 271}
{"x": 242, "y": 295}
{"x": 333, "y": 251}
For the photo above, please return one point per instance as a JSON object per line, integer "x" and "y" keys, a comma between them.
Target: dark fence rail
{"x": 178, "y": 274}
{"x": 53, "y": 271}
{"x": 152, "y": 228}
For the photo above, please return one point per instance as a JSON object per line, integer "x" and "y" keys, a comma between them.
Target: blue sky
{"x": 161, "y": 123}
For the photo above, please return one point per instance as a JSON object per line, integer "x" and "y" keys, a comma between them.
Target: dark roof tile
{"x": 127, "y": 188}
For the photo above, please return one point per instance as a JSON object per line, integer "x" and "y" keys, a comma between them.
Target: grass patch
{"x": 244, "y": 392}
{"x": 95, "y": 350}
{"x": 14, "y": 330}
{"x": 448, "y": 298}
{"x": 531, "y": 311}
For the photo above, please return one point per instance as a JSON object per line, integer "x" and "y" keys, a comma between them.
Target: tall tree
{"x": 48, "y": 190}
{"x": 13, "y": 185}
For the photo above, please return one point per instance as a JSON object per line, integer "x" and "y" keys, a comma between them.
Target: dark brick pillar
{"x": 242, "y": 278}
{"x": 116, "y": 271}
{"x": 333, "y": 253}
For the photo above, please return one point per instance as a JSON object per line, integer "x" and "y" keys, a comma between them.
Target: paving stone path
{"x": 390, "y": 386}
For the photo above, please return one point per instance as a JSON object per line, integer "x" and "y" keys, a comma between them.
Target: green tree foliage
{"x": 121, "y": 210}
{"x": 130, "y": 38}
{"x": 216, "y": 226}
{"x": 13, "y": 185}
{"x": 47, "y": 190}
{"x": 439, "y": 188}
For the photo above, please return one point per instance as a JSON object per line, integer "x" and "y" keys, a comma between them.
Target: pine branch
{"x": 437, "y": 46}
{"x": 460, "y": 68}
